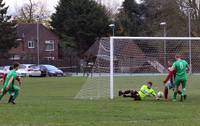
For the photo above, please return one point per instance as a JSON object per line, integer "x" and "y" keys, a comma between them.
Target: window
{"x": 31, "y": 44}
{"x": 49, "y": 45}
{"x": 50, "y": 58}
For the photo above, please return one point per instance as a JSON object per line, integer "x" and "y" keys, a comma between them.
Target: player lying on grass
{"x": 145, "y": 90}
{"x": 9, "y": 84}
{"x": 181, "y": 67}
{"x": 169, "y": 82}
{"x": 3, "y": 82}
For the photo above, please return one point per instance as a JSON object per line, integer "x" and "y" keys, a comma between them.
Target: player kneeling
{"x": 145, "y": 90}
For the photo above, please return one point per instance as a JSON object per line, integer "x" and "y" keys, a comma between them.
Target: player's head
{"x": 169, "y": 63}
{"x": 177, "y": 56}
{"x": 11, "y": 68}
{"x": 16, "y": 66}
{"x": 149, "y": 84}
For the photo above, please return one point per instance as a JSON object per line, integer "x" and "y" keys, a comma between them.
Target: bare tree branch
{"x": 29, "y": 12}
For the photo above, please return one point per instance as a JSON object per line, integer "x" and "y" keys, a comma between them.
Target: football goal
{"x": 128, "y": 62}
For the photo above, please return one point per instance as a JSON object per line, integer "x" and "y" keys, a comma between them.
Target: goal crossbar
{"x": 156, "y": 38}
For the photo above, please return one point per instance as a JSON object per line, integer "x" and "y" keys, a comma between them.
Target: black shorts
{"x": 135, "y": 95}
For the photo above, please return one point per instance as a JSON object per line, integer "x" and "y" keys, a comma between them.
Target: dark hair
{"x": 15, "y": 65}
{"x": 11, "y": 68}
{"x": 150, "y": 83}
{"x": 178, "y": 56}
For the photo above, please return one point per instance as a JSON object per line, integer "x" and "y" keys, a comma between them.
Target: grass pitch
{"x": 50, "y": 102}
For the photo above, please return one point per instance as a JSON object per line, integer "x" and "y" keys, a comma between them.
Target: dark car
{"x": 52, "y": 70}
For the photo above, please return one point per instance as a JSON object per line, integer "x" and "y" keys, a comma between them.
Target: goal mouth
{"x": 122, "y": 60}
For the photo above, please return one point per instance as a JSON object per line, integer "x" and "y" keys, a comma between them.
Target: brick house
{"x": 28, "y": 46}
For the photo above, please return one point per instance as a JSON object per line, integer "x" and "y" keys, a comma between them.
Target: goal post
{"x": 128, "y": 62}
{"x": 111, "y": 68}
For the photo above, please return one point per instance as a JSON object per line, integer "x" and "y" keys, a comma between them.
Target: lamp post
{"x": 113, "y": 29}
{"x": 163, "y": 24}
{"x": 38, "y": 41}
{"x": 189, "y": 34}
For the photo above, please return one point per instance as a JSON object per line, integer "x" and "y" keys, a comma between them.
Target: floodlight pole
{"x": 164, "y": 34}
{"x": 190, "y": 46}
{"x": 38, "y": 41}
{"x": 113, "y": 29}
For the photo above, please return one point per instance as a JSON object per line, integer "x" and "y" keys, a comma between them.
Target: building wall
{"x": 31, "y": 35}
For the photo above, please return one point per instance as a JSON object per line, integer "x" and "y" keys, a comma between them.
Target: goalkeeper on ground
{"x": 145, "y": 90}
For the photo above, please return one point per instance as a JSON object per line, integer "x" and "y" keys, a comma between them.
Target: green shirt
{"x": 181, "y": 68}
{"x": 11, "y": 74}
{"x": 145, "y": 91}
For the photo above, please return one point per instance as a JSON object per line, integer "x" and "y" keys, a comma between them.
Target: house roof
{"x": 93, "y": 50}
{"x": 26, "y": 29}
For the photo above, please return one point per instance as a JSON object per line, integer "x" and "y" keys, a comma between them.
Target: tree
{"x": 79, "y": 23}
{"x": 192, "y": 7}
{"x": 7, "y": 30}
{"x": 30, "y": 12}
{"x": 169, "y": 11}
{"x": 129, "y": 20}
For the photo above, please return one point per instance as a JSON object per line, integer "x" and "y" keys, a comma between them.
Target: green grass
{"x": 50, "y": 102}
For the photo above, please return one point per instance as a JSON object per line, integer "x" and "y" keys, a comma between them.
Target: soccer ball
{"x": 160, "y": 94}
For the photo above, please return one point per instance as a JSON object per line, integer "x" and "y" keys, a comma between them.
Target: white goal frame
{"x": 141, "y": 38}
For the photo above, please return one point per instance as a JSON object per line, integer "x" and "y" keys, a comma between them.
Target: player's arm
{"x": 170, "y": 74}
{"x": 188, "y": 68}
{"x": 3, "y": 79}
{"x": 172, "y": 68}
{"x": 9, "y": 82}
{"x": 153, "y": 93}
{"x": 142, "y": 88}
{"x": 19, "y": 79}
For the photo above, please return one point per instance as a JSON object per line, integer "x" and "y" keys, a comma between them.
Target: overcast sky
{"x": 14, "y": 4}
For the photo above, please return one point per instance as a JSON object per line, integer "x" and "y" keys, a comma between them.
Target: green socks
{"x": 175, "y": 94}
{"x": 183, "y": 92}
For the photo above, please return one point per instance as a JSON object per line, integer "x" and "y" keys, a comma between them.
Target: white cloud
{"x": 16, "y": 4}
{"x": 51, "y": 4}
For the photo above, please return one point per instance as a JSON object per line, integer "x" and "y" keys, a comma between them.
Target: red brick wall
{"x": 31, "y": 35}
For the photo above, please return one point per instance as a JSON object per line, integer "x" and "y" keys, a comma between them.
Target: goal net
{"x": 129, "y": 62}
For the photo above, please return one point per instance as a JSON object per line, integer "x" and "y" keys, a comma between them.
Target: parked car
{"x": 27, "y": 67}
{"x": 2, "y": 72}
{"x": 44, "y": 71}
{"x": 36, "y": 71}
{"x": 23, "y": 70}
{"x": 6, "y": 69}
{"x": 52, "y": 70}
